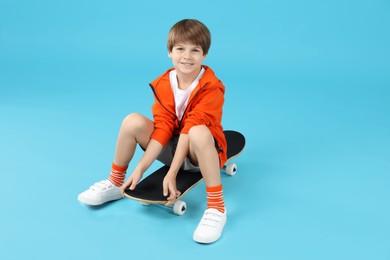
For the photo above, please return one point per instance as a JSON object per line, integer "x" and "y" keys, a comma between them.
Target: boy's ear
{"x": 169, "y": 54}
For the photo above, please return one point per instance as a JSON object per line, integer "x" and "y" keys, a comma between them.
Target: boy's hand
{"x": 169, "y": 188}
{"x": 131, "y": 182}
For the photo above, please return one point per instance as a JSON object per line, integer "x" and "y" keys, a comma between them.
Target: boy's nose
{"x": 187, "y": 55}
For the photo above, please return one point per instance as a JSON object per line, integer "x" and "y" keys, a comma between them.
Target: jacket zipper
{"x": 154, "y": 92}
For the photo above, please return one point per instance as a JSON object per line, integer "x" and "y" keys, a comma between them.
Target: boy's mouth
{"x": 187, "y": 63}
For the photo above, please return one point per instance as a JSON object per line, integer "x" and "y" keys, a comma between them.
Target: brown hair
{"x": 191, "y": 31}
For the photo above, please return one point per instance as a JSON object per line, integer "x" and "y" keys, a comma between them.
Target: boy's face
{"x": 187, "y": 58}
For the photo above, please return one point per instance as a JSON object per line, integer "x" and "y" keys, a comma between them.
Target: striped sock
{"x": 215, "y": 198}
{"x": 117, "y": 174}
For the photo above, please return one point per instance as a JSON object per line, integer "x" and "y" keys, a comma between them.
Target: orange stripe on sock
{"x": 119, "y": 168}
{"x": 214, "y": 188}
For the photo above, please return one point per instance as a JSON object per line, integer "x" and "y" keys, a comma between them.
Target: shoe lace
{"x": 101, "y": 185}
{"x": 211, "y": 219}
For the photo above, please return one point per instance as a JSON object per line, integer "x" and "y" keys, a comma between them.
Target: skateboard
{"x": 150, "y": 190}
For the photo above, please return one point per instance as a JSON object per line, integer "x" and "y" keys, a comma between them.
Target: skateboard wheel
{"x": 231, "y": 169}
{"x": 145, "y": 204}
{"x": 179, "y": 208}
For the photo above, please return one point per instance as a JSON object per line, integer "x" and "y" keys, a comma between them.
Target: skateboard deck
{"x": 150, "y": 189}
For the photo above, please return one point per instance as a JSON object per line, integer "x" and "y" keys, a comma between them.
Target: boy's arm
{"x": 164, "y": 122}
{"x": 180, "y": 154}
{"x": 169, "y": 184}
{"x": 151, "y": 153}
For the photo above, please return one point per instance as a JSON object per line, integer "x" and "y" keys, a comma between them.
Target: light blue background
{"x": 307, "y": 83}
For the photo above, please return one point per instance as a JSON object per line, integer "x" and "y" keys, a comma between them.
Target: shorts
{"x": 167, "y": 153}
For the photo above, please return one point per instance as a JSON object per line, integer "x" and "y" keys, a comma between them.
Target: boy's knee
{"x": 200, "y": 135}
{"x": 134, "y": 121}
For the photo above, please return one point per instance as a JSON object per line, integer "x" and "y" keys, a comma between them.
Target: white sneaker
{"x": 100, "y": 193}
{"x": 210, "y": 226}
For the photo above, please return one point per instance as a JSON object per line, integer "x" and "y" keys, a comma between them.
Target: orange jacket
{"x": 204, "y": 108}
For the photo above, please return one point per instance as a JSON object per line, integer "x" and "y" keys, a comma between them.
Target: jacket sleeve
{"x": 206, "y": 111}
{"x": 164, "y": 123}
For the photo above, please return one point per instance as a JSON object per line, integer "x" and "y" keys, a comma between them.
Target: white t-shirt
{"x": 182, "y": 96}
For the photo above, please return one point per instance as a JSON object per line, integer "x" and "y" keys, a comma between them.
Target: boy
{"x": 186, "y": 131}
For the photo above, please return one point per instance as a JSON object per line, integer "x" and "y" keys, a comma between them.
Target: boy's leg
{"x": 203, "y": 152}
{"x": 135, "y": 129}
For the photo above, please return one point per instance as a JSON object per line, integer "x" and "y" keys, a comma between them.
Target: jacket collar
{"x": 207, "y": 77}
